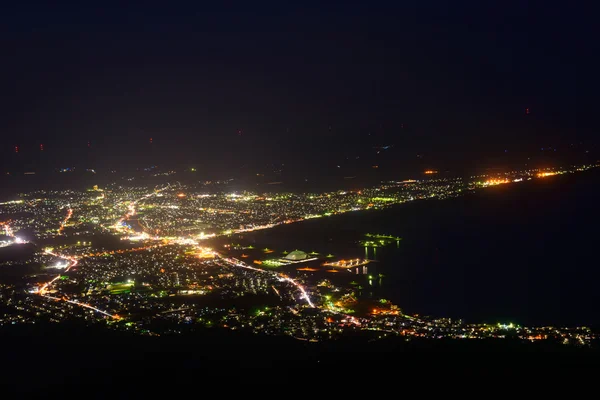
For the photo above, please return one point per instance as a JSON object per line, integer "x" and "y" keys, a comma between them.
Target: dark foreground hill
{"x": 61, "y": 358}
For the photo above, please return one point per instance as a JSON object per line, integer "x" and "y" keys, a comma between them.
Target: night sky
{"x": 228, "y": 87}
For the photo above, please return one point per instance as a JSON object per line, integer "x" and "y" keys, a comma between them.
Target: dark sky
{"x": 308, "y": 86}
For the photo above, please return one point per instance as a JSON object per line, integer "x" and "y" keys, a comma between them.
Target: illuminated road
{"x": 186, "y": 241}
{"x": 131, "y": 211}
{"x": 281, "y": 277}
{"x": 67, "y": 218}
{"x": 85, "y": 305}
{"x": 9, "y": 232}
{"x": 127, "y": 207}
{"x": 123, "y": 251}
{"x": 72, "y": 262}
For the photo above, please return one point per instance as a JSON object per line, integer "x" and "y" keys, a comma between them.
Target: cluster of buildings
{"x": 136, "y": 258}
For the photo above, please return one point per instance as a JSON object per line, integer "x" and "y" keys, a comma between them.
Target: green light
{"x": 383, "y": 199}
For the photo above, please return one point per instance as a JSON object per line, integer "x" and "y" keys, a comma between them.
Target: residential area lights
{"x": 164, "y": 254}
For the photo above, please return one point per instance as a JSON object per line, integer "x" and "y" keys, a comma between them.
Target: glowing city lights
{"x": 546, "y": 174}
{"x": 164, "y": 252}
{"x": 495, "y": 181}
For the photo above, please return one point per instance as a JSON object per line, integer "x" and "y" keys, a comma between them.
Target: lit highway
{"x": 72, "y": 263}
{"x": 131, "y": 209}
{"x": 64, "y": 222}
{"x": 281, "y": 277}
{"x": 146, "y": 274}
{"x": 85, "y": 305}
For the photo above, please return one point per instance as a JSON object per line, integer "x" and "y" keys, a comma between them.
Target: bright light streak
{"x": 185, "y": 241}
{"x": 67, "y": 218}
{"x": 280, "y": 277}
{"x": 142, "y": 236}
{"x": 77, "y": 303}
{"x": 72, "y": 262}
{"x": 204, "y": 236}
{"x": 131, "y": 211}
{"x": 493, "y": 182}
{"x": 9, "y": 232}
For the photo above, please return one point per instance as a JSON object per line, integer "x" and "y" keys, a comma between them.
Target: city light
{"x": 496, "y": 181}
{"x": 164, "y": 252}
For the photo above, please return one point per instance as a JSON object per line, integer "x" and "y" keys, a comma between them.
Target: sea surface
{"x": 525, "y": 253}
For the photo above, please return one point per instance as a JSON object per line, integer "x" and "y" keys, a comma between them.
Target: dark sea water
{"x": 524, "y": 253}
